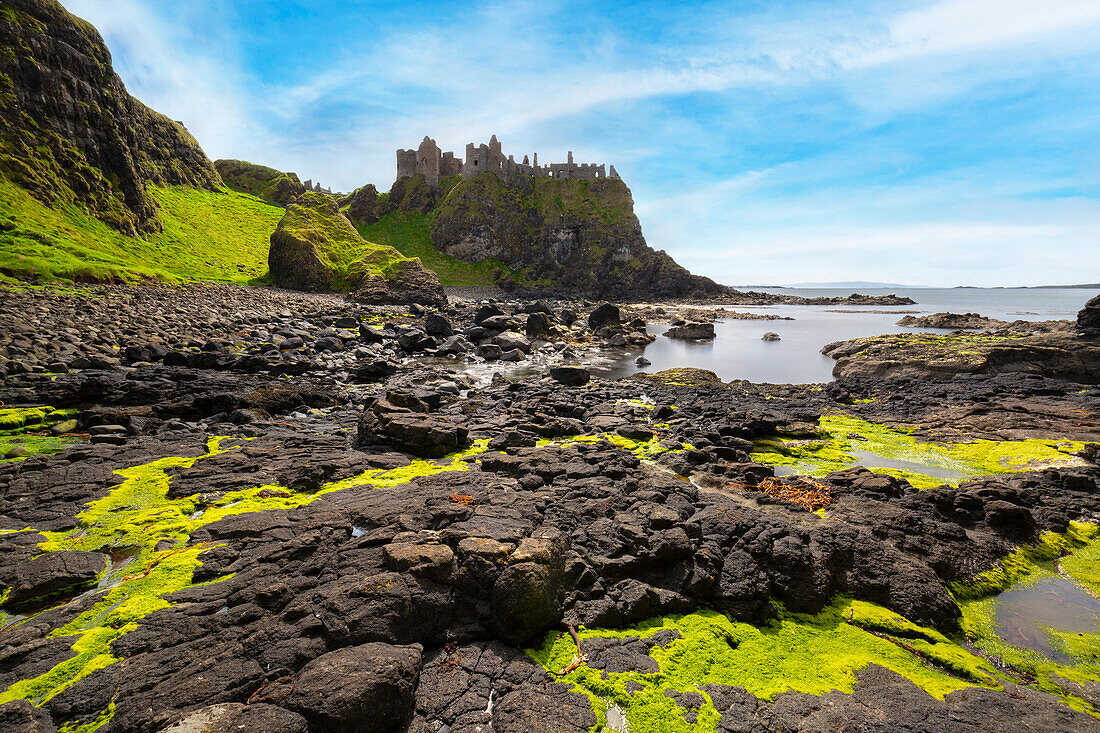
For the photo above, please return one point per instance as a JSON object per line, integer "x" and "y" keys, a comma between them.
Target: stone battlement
{"x": 433, "y": 163}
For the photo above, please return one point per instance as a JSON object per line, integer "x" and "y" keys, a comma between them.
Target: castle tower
{"x": 427, "y": 160}
{"x": 406, "y": 163}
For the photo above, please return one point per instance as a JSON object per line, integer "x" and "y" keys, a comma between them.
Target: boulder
{"x": 259, "y": 180}
{"x": 486, "y": 312}
{"x": 605, "y": 314}
{"x": 406, "y": 282}
{"x": 424, "y": 435}
{"x": 362, "y": 689}
{"x": 510, "y": 340}
{"x": 770, "y": 336}
{"x": 315, "y": 248}
{"x": 525, "y": 601}
{"x": 437, "y": 325}
{"x": 691, "y": 331}
{"x": 573, "y": 376}
{"x": 538, "y": 326}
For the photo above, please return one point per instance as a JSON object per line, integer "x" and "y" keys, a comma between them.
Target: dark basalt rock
{"x": 1088, "y": 319}
{"x": 34, "y": 583}
{"x": 362, "y": 689}
{"x": 607, "y": 314}
{"x": 474, "y": 563}
{"x": 19, "y": 716}
{"x": 573, "y": 376}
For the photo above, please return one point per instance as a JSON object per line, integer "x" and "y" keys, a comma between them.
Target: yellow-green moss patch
{"x": 952, "y": 462}
{"x": 796, "y": 652}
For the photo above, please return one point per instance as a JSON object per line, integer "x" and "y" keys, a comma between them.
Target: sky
{"x": 952, "y": 142}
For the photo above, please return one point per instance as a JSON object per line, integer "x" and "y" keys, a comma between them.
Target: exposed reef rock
{"x": 944, "y": 356}
{"x": 69, "y": 131}
{"x": 259, "y": 180}
{"x": 977, "y": 322}
{"x": 1088, "y": 320}
{"x": 691, "y": 332}
{"x": 577, "y": 233}
{"x": 315, "y": 248}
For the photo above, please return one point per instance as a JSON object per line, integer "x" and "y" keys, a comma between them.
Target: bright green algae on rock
{"x": 812, "y": 654}
{"x": 1073, "y": 556}
{"x": 19, "y": 427}
{"x": 834, "y": 452}
{"x": 139, "y": 514}
{"x": 645, "y": 450}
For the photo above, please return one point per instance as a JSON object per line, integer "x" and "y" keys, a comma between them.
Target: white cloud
{"x": 536, "y": 88}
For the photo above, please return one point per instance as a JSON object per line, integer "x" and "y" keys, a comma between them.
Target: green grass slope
{"x": 410, "y": 233}
{"x": 218, "y": 235}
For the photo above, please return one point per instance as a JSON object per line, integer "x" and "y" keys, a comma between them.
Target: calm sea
{"x": 738, "y": 353}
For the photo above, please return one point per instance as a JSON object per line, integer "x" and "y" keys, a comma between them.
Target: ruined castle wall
{"x": 429, "y": 161}
{"x": 406, "y": 163}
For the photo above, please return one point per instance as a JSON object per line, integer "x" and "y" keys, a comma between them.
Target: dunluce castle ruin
{"x": 430, "y": 161}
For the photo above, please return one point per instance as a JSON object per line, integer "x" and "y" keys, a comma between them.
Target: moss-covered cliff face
{"x": 262, "y": 182}
{"x": 316, "y": 248}
{"x": 69, "y": 131}
{"x": 576, "y": 233}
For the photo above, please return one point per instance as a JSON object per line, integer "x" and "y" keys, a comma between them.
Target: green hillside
{"x": 220, "y": 235}
{"x": 410, "y": 233}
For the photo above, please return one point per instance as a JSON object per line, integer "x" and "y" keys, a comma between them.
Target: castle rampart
{"x": 432, "y": 163}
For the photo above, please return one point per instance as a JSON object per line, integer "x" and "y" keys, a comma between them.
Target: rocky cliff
{"x": 260, "y": 181}
{"x": 578, "y": 234}
{"x": 69, "y": 131}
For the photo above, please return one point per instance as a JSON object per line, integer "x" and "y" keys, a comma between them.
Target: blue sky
{"x": 936, "y": 143}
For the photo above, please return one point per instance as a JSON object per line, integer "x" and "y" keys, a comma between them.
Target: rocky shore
{"x": 250, "y": 509}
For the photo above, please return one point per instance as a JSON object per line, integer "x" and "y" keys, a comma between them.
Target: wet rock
{"x": 510, "y": 340}
{"x": 691, "y": 331}
{"x": 538, "y": 326}
{"x": 770, "y": 336}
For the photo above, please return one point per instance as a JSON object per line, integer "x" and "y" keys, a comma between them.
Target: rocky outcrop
{"x": 1088, "y": 320}
{"x": 977, "y": 322}
{"x": 259, "y": 180}
{"x": 362, "y": 205}
{"x": 70, "y": 132}
{"x": 582, "y": 235}
{"x": 942, "y": 357}
{"x": 316, "y": 248}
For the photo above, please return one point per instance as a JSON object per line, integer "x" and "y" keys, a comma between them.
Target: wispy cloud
{"x": 864, "y": 130}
